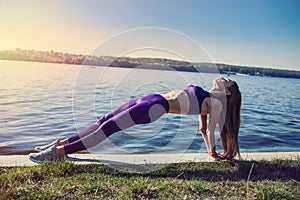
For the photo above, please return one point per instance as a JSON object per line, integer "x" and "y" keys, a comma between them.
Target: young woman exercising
{"x": 222, "y": 103}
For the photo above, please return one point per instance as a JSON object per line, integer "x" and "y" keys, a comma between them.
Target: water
{"x": 40, "y": 102}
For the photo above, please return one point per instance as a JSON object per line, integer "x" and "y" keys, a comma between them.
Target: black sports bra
{"x": 196, "y": 96}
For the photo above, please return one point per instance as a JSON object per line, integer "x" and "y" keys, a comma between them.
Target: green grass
{"x": 277, "y": 179}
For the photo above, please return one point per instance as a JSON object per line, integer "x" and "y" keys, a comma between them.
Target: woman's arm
{"x": 203, "y": 124}
{"x": 215, "y": 111}
{"x": 203, "y": 128}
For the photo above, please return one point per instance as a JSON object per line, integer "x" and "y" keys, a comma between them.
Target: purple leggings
{"x": 139, "y": 111}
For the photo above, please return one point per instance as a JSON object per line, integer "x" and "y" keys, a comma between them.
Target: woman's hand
{"x": 218, "y": 156}
{"x": 215, "y": 156}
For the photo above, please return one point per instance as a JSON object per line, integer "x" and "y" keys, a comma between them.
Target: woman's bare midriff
{"x": 178, "y": 101}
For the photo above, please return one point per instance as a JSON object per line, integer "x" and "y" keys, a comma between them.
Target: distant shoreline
{"x": 143, "y": 63}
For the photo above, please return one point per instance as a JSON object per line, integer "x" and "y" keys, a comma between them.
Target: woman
{"x": 222, "y": 103}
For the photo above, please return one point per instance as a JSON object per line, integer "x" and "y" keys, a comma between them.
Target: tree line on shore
{"x": 144, "y": 63}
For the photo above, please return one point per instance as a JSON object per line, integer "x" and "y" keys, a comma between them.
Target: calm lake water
{"x": 40, "y": 102}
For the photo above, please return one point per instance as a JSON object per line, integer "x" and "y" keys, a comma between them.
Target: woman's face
{"x": 222, "y": 83}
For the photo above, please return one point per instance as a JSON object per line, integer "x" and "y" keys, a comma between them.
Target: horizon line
{"x": 213, "y": 62}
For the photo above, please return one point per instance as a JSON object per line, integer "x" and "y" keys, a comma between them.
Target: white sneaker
{"x": 46, "y": 155}
{"x": 44, "y": 147}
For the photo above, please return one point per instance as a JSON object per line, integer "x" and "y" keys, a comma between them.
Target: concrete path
{"x": 139, "y": 159}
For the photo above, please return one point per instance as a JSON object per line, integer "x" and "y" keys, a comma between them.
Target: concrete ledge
{"x": 138, "y": 159}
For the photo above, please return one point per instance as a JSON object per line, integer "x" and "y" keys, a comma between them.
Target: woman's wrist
{"x": 213, "y": 152}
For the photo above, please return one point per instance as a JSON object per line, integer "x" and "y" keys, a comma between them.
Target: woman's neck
{"x": 217, "y": 93}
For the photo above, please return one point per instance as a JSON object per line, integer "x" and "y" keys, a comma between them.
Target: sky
{"x": 261, "y": 33}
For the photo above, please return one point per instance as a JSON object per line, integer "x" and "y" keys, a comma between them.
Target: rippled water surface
{"x": 40, "y": 102}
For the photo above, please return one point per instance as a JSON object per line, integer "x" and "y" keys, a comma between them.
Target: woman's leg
{"x": 95, "y": 126}
{"x": 143, "y": 110}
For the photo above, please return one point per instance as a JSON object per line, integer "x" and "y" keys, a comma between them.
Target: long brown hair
{"x": 230, "y": 130}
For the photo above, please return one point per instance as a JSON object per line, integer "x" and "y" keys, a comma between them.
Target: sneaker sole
{"x": 50, "y": 161}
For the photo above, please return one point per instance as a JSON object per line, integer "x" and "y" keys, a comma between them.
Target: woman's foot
{"x": 55, "y": 143}
{"x": 50, "y": 154}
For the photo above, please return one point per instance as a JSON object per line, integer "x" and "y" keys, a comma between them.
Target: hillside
{"x": 145, "y": 63}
